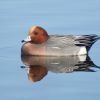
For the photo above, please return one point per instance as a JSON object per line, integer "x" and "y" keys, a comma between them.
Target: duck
{"x": 39, "y": 43}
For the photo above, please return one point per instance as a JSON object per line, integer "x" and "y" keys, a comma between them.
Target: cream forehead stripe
{"x": 28, "y": 39}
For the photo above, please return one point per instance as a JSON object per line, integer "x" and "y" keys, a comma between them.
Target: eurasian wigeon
{"x": 41, "y": 44}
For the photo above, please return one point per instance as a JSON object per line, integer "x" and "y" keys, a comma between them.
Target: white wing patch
{"x": 82, "y": 57}
{"x": 82, "y": 51}
{"x": 56, "y": 47}
{"x": 55, "y": 63}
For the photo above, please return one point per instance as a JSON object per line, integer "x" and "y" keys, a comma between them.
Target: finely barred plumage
{"x": 70, "y": 40}
{"x": 69, "y": 44}
{"x": 65, "y": 40}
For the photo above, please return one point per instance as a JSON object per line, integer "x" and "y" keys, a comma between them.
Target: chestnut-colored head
{"x": 37, "y": 35}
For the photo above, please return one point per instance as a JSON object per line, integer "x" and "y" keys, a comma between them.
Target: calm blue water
{"x": 57, "y": 17}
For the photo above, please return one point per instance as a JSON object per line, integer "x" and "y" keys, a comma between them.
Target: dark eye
{"x": 36, "y": 33}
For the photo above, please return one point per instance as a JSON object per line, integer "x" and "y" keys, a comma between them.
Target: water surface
{"x": 57, "y": 17}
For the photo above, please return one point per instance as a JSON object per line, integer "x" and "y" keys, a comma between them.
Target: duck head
{"x": 37, "y": 35}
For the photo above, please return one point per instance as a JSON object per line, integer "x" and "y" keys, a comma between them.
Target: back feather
{"x": 86, "y": 40}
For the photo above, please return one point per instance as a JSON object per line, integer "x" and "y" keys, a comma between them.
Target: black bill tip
{"x": 22, "y": 66}
{"x": 23, "y": 41}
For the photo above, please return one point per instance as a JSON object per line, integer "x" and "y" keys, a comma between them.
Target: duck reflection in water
{"x": 36, "y": 72}
{"x": 38, "y": 66}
